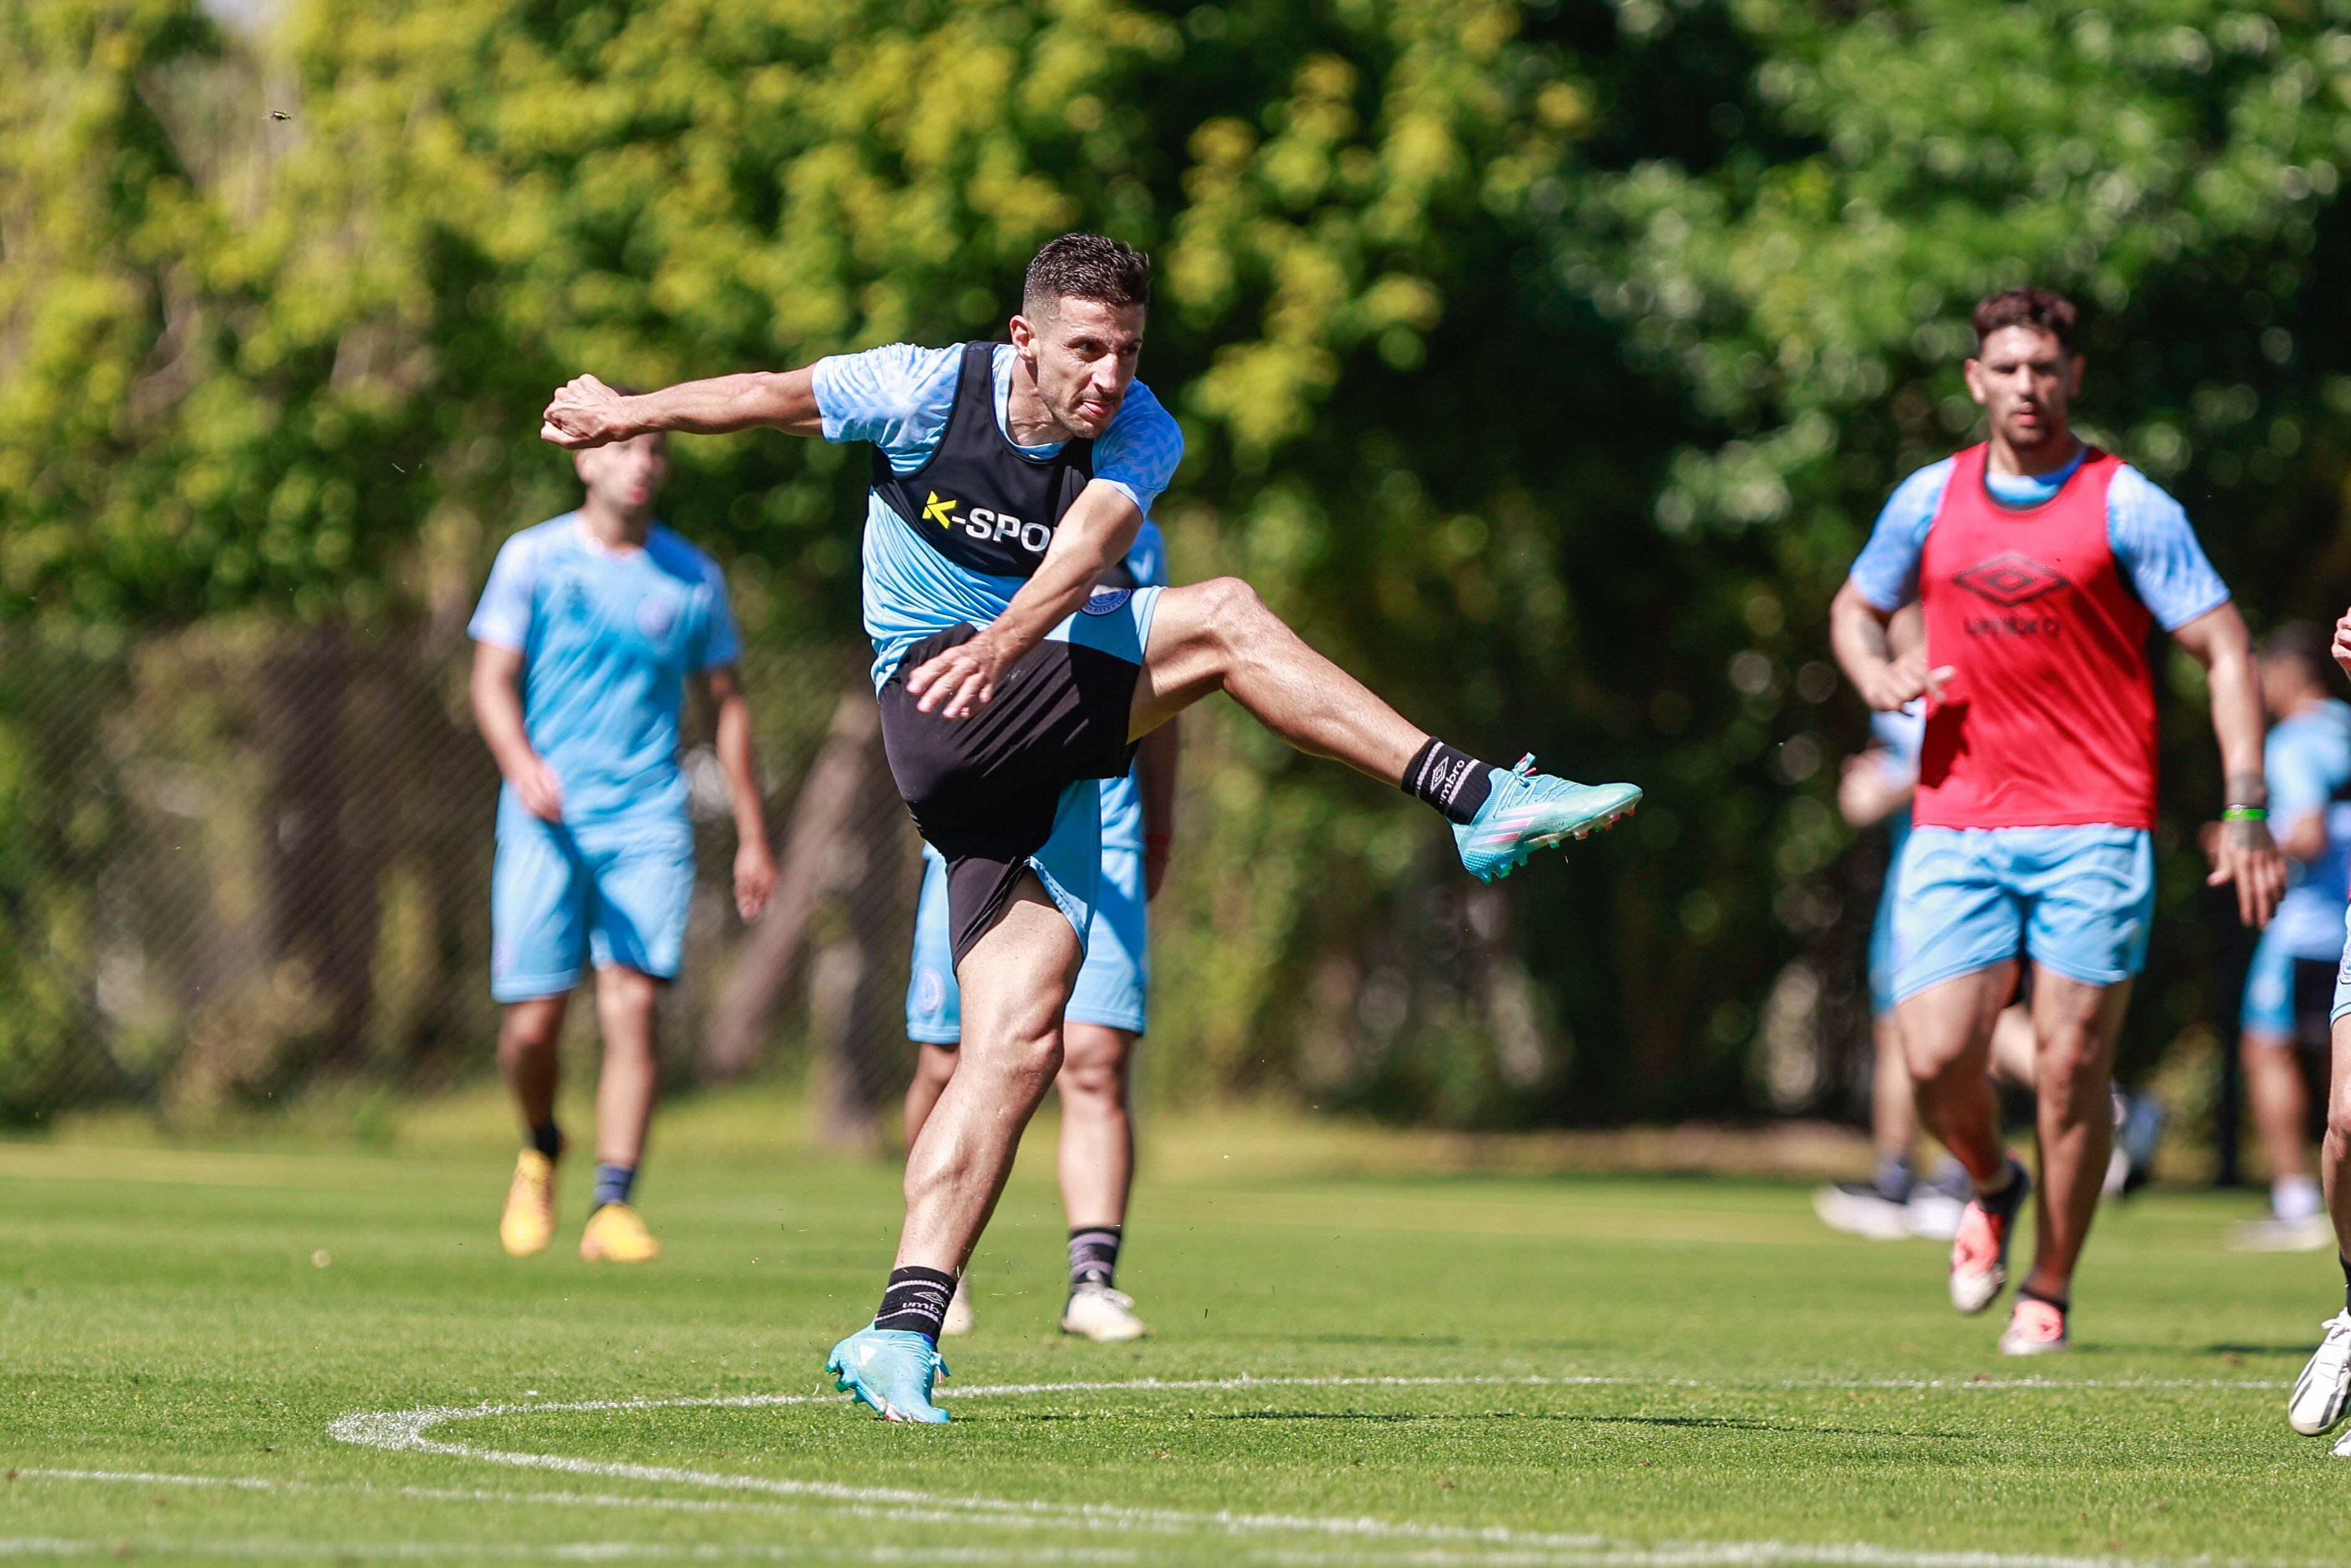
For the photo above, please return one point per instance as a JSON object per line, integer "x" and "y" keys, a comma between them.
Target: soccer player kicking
{"x": 2307, "y": 760}
{"x": 2040, "y": 564}
{"x": 1101, "y": 1028}
{"x": 586, "y": 636}
{"x": 1007, "y": 480}
{"x": 2323, "y": 1393}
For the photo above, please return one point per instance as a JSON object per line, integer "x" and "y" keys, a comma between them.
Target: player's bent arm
{"x": 1857, "y": 635}
{"x": 754, "y": 860}
{"x": 1096, "y": 530}
{"x": 496, "y": 688}
{"x": 586, "y": 413}
{"x": 2218, "y": 639}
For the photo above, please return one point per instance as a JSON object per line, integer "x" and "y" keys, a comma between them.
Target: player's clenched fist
{"x": 2341, "y": 649}
{"x": 584, "y": 412}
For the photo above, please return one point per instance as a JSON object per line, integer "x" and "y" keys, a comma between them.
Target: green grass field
{"x": 205, "y": 1353}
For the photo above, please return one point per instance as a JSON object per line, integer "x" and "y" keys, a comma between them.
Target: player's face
{"x": 1083, "y": 353}
{"x": 2282, "y": 684}
{"x": 2025, "y": 378}
{"x": 626, "y": 474}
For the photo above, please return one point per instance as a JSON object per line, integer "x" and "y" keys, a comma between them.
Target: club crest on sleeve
{"x": 1107, "y": 601}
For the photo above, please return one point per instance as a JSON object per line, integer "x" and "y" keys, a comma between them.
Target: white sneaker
{"x": 2324, "y": 1390}
{"x": 2270, "y": 1234}
{"x": 1933, "y": 1216}
{"x": 1858, "y": 1208}
{"x": 958, "y": 1319}
{"x": 1102, "y": 1314}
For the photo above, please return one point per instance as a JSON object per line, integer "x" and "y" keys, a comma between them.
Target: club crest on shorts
{"x": 1106, "y": 602}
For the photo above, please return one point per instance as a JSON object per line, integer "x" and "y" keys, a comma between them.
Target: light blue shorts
{"x": 1113, "y": 984}
{"x": 2283, "y": 986}
{"x": 561, "y": 899}
{"x": 2077, "y": 901}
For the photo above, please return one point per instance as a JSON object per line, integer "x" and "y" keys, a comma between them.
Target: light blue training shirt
{"x": 608, "y": 638}
{"x": 2307, "y": 759}
{"x": 898, "y": 398}
{"x": 2146, "y": 529}
{"x": 1899, "y": 735}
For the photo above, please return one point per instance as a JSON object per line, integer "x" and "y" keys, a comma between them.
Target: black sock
{"x": 1455, "y": 782}
{"x": 1093, "y": 1255}
{"x": 916, "y": 1301}
{"x": 2347, "y": 1280}
{"x": 548, "y": 1139}
{"x": 2028, "y": 1294}
{"x": 2004, "y": 1202}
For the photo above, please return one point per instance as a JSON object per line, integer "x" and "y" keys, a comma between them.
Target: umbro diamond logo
{"x": 2009, "y": 580}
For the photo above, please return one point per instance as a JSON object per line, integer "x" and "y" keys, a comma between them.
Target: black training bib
{"x": 981, "y": 501}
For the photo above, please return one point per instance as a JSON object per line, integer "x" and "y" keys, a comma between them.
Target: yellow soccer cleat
{"x": 529, "y": 1223}
{"x": 615, "y": 1234}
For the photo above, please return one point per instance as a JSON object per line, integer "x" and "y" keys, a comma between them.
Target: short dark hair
{"x": 1086, "y": 266}
{"x": 2304, "y": 644}
{"x": 2044, "y": 309}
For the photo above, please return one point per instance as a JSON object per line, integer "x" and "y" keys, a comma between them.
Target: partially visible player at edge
{"x": 1007, "y": 479}
{"x": 2040, "y": 564}
{"x": 1101, "y": 1025}
{"x": 590, "y": 629}
{"x": 2323, "y": 1393}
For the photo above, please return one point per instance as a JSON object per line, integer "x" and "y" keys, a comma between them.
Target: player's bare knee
{"x": 530, "y": 1027}
{"x": 1028, "y": 1057}
{"x": 1232, "y": 612}
{"x": 1091, "y": 1075}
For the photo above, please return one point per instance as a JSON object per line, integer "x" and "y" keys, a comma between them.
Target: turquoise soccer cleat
{"x": 890, "y": 1369}
{"x": 1529, "y": 811}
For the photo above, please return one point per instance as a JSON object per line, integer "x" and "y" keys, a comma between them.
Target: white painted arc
{"x": 405, "y": 1431}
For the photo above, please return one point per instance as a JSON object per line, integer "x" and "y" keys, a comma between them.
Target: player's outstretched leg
{"x": 1218, "y": 635}
{"x": 2322, "y": 1395}
{"x": 1016, "y": 981}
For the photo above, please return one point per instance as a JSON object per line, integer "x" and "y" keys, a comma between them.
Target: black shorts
{"x": 985, "y": 789}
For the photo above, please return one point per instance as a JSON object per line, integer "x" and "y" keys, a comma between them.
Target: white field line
{"x": 560, "y": 1552}
{"x": 406, "y": 1431}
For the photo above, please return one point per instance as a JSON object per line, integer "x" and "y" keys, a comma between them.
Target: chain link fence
{"x": 240, "y": 860}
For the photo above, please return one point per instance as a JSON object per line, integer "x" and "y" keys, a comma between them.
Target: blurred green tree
{"x": 1544, "y": 361}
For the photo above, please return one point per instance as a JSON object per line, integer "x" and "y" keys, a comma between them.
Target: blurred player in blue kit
{"x": 587, "y": 633}
{"x": 1104, "y": 1020}
{"x": 2290, "y": 987}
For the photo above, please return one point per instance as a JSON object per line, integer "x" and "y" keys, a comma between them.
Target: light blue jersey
{"x": 2308, "y": 761}
{"x": 2153, "y": 542}
{"x": 608, "y": 638}
{"x": 1898, "y": 736}
{"x": 898, "y": 398}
